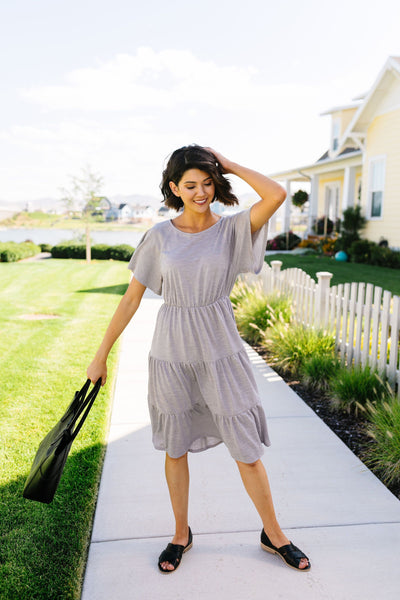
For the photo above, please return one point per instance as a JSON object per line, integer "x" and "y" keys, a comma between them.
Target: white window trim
{"x": 380, "y": 157}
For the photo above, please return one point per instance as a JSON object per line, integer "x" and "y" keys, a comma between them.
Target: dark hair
{"x": 194, "y": 157}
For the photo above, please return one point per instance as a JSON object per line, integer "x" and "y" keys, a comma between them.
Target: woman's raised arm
{"x": 271, "y": 193}
{"x": 125, "y": 310}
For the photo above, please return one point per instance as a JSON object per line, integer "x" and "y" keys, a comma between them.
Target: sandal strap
{"x": 292, "y": 554}
{"x": 172, "y": 554}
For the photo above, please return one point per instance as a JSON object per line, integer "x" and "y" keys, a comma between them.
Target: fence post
{"x": 322, "y": 299}
{"x": 276, "y": 269}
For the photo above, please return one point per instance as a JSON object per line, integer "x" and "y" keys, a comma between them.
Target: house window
{"x": 335, "y": 134}
{"x": 377, "y": 180}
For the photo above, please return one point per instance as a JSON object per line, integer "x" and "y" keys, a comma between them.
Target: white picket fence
{"x": 365, "y": 319}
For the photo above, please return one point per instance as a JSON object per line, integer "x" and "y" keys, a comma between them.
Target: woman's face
{"x": 196, "y": 190}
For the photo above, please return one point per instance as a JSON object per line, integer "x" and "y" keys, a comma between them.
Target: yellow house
{"x": 362, "y": 164}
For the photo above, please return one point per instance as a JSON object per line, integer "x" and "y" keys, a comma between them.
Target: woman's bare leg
{"x": 255, "y": 479}
{"x": 177, "y": 475}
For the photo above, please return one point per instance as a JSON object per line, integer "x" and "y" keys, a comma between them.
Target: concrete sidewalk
{"x": 328, "y": 503}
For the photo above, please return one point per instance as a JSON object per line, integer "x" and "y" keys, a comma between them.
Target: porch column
{"x": 272, "y": 225}
{"x": 287, "y": 208}
{"x": 348, "y": 187}
{"x": 313, "y": 203}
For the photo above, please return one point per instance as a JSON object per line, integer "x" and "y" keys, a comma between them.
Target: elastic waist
{"x": 188, "y": 306}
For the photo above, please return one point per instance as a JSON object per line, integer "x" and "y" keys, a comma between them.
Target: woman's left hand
{"x": 225, "y": 164}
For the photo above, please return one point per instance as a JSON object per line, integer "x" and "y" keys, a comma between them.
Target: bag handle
{"x": 86, "y": 404}
{"x": 78, "y": 399}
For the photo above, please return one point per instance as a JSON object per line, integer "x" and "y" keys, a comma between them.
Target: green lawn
{"x": 43, "y": 547}
{"x": 343, "y": 272}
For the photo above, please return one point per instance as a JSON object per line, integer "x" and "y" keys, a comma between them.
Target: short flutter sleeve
{"x": 249, "y": 249}
{"x": 145, "y": 261}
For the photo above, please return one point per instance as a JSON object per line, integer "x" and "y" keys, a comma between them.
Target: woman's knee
{"x": 178, "y": 460}
{"x": 251, "y": 465}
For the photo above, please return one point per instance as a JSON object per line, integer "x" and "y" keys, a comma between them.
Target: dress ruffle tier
{"x": 201, "y": 386}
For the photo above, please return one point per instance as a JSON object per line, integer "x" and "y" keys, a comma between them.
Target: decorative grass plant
{"x": 319, "y": 370}
{"x": 293, "y": 345}
{"x": 384, "y": 428}
{"x": 255, "y": 311}
{"x": 352, "y": 389}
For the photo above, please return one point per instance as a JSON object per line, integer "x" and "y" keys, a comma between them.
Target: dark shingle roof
{"x": 345, "y": 151}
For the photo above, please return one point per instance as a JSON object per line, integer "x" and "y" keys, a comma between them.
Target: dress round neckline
{"x": 195, "y": 232}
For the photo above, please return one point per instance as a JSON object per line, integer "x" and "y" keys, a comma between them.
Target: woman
{"x": 201, "y": 387}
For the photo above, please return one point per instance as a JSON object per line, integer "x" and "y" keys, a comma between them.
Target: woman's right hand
{"x": 97, "y": 369}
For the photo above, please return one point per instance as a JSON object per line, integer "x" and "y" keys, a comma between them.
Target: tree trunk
{"x": 88, "y": 249}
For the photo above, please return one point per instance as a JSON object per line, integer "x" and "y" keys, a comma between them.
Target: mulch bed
{"x": 351, "y": 430}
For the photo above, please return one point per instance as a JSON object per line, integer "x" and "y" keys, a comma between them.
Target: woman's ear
{"x": 174, "y": 189}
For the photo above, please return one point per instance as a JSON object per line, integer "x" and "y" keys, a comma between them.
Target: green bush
{"x": 384, "y": 428}
{"x": 292, "y": 345}
{"x": 284, "y": 241}
{"x": 360, "y": 251}
{"x": 12, "y": 252}
{"x": 353, "y": 389}
{"x": 121, "y": 252}
{"x": 67, "y": 250}
{"x": 257, "y": 311}
{"x": 364, "y": 251}
{"x": 319, "y": 226}
{"x": 45, "y": 247}
{"x": 318, "y": 370}
{"x": 98, "y": 251}
{"x": 353, "y": 222}
{"x": 384, "y": 257}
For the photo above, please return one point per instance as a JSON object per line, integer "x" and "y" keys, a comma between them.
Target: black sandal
{"x": 173, "y": 554}
{"x": 290, "y": 554}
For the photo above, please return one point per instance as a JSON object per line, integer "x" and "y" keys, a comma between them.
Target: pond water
{"x": 54, "y": 236}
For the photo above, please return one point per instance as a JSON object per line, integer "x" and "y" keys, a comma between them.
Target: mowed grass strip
{"x": 343, "y": 272}
{"x": 43, "y": 362}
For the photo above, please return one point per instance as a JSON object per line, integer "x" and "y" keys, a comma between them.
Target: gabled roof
{"x": 347, "y": 150}
{"x": 363, "y": 116}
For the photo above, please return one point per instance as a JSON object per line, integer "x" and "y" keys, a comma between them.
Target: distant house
{"x": 120, "y": 212}
{"x": 124, "y": 212}
{"x": 167, "y": 213}
{"x": 362, "y": 164}
{"x": 143, "y": 212}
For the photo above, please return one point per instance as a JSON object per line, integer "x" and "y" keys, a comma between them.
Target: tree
{"x": 84, "y": 194}
{"x": 353, "y": 222}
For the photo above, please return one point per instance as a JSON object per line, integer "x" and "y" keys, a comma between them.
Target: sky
{"x": 118, "y": 85}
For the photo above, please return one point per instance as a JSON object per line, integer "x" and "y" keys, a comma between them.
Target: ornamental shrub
{"x": 360, "y": 251}
{"x": 353, "y": 222}
{"x": 68, "y": 250}
{"x": 121, "y": 252}
{"x": 364, "y": 251}
{"x": 98, "y": 251}
{"x": 384, "y": 428}
{"x": 284, "y": 241}
{"x": 317, "y": 371}
{"x": 319, "y": 226}
{"x": 12, "y": 251}
{"x": 353, "y": 389}
{"x": 292, "y": 345}
{"x": 299, "y": 198}
{"x": 255, "y": 311}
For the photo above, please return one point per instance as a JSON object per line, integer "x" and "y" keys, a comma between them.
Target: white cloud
{"x": 166, "y": 79}
{"x": 124, "y": 116}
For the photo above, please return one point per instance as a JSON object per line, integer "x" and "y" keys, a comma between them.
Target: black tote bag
{"x": 53, "y": 450}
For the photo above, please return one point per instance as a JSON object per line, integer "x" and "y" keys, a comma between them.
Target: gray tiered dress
{"x": 201, "y": 387}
